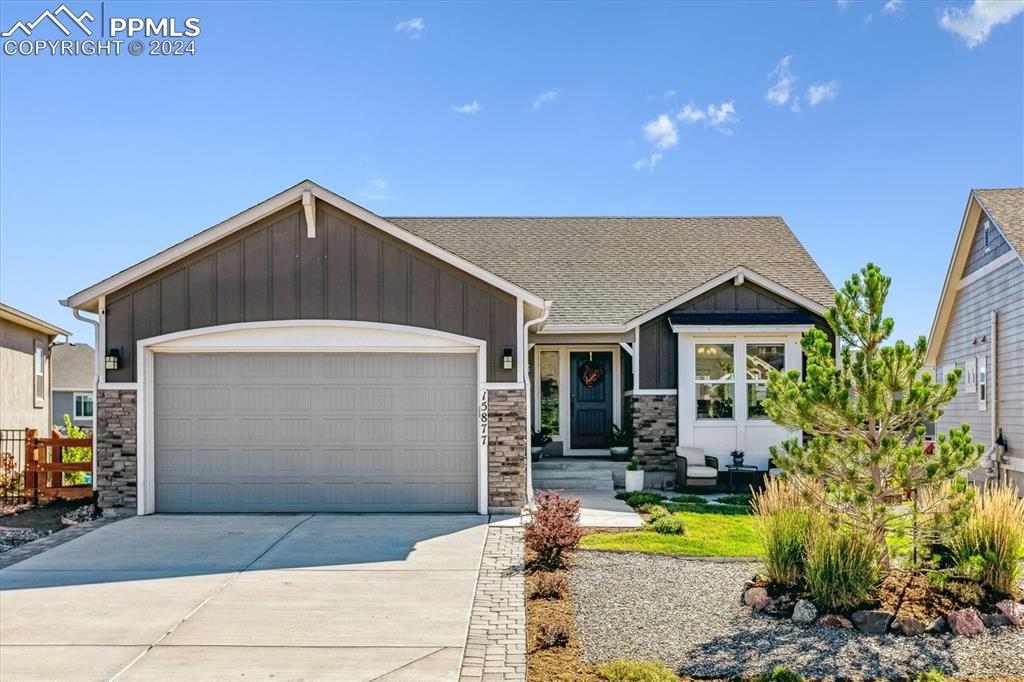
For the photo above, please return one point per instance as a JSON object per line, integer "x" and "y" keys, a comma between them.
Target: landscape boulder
{"x": 1013, "y": 611}
{"x": 804, "y": 612}
{"x": 965, "y": 622}
{"x": 909, "y": 626}
{"x": 781, "y": 607}
{"x": 833, "y": 620}
{"x": 754, "y": 595}
{"x": 873, "y": 622}
{"x": 937, "y": 626}
{"x": 995, "y": 620}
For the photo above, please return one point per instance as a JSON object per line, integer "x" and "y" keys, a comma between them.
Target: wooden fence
{"x": 45, "y": 467}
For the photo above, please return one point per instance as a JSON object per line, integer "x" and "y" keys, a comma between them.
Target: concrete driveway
{"x": 321, "y": 596}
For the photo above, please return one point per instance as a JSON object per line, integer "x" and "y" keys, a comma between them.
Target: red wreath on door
{"x": 590, "y": 374}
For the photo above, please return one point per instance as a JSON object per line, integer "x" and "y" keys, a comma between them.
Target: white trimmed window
{"x": 715, "y": 373}
{"x": 982, "y": 383}
{"x": 762, "y": 358}
{"x": 83, "y": 406}
{"x": 39, "y": 373}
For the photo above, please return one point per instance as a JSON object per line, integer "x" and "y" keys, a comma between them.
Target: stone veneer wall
{"x": 506, "y": 449}
{"x": 116, "y": 448}
{"x": 655, "y": 421}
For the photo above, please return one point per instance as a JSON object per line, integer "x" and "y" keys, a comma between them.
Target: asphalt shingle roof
{"x": 1006, "y": 207}
{"x": 72, "y": 366}
{"x": 611, "y": 270}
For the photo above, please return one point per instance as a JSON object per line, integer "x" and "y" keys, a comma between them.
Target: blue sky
{"x": 863, "y": 123}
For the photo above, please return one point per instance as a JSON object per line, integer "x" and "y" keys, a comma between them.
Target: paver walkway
{"x": 496, "y": 646}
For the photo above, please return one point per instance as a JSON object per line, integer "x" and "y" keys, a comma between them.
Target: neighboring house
{"x": 25, "y": 343}
{"x": 308, "y": 354}
{"x": 74, "y": 366}
{"x": 979, "y": 327}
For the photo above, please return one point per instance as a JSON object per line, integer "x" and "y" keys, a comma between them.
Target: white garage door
{"x": 302, "y": 432}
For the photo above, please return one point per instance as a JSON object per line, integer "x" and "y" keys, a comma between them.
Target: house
{"x": 979, "y": 327}
{"x": 25, "y": 343}
{"x": 307, "y": 354}
{"x": 73, "y": 383}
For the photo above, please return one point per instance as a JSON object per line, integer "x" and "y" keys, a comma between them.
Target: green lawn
{"x": 707, "y": 534}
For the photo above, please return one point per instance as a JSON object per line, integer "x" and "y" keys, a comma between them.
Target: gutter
{"x": 95, "y": 379}
{"x": 529, "y": 404}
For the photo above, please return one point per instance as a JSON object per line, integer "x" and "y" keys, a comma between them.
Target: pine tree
{"x": 864, "y": 419}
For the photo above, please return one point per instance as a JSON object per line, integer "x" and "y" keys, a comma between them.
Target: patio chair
{"x": 695, "y": 469}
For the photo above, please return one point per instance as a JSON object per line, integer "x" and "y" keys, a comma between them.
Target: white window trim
{"x": 982, "y": 382}
{"x": 305, "y": 336}
{"x": 38, "y": 388}
{"x": 74, "y": 401}
{"x": 690, "y": 427}
{"x": 564, "y": 412}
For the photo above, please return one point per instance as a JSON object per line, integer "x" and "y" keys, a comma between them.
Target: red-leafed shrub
{"x": 553, "y": 529}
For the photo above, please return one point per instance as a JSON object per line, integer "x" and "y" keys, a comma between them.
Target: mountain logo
{"x": 78, "y": 21}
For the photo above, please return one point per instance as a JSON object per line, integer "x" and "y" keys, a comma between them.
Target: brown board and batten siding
{"x": 725, "y": 304}
{"x": 273, "y": 271}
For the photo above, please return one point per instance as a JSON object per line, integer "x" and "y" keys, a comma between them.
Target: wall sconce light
{"x": 507, "y": 357}
{"x": 112, "y": 360}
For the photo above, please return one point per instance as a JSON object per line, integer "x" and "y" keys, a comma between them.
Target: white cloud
{"x": 893, "y": 7}
{"x": 820, "y": 92}
{"x": 662, "y": 133}
{"x": 690, "y": 114}
{"x": 975, "y": 23}
{"x": 668, "y": 94}
{"x": 718, "y": 116}
{"x": 649, "y": 162}
{"x": 545, "y": 98}
{"x": 723, "y": 114}
{"x": 376, "y": 189}
{"x": 471, "y": 108}
{"x": 411, "y": 27}
{"x": 780, "y": 91}
{"x": 843, "y": 4}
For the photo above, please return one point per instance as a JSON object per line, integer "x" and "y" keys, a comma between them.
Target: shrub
{"x": 784, "y": 524}
{"x": 779, "y": 674}
{"x": 841, "y": 567}
{"x": 551, "y": 635}
{"x": 553, "y": 528}
{"x": 991, "y": 544}
{"x": 739, "y": 499}
{"x": 552, "y": 586}
{"x": 721, "y": 509}
{"x": 662, "y": 521}
{"x": 636, "y": 499}
{"x": 965, "y": 593}
{"x": 932, "y": 675}
{"x": 690, "y": 498}
{"x": 622, "y": 670}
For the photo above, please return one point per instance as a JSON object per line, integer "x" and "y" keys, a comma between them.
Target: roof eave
{"x": 31, "y": 321}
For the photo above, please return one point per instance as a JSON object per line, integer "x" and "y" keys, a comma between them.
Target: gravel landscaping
{"x": 687, "y": 614}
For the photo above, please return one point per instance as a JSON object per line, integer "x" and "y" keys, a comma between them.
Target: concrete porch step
{"x": 567, "y": 464}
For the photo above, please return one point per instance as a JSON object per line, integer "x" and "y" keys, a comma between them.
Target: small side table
{"x": 742, "y": 468}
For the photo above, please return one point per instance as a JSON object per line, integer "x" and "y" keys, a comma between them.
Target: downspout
{"x": 95, "y": 380}
{"x": 529, "y": 402}
{"x": 993, "y": 398}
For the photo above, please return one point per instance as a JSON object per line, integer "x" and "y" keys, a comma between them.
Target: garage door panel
{"x": 356, "y": 432}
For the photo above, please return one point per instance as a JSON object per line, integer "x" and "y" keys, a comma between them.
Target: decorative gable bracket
{"x": 309, "y": 206}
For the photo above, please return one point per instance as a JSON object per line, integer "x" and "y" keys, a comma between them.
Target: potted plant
{"x": 537, "y": 442}
{"x": 737, "y": 457}
{"x": 621, "y": 442}
{"x": 634, "y": 476}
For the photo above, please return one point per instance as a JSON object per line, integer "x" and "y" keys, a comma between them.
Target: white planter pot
{"x": 634, "y": 480}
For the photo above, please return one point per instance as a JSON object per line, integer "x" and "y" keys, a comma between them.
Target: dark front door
{"x": 590, "y": 399}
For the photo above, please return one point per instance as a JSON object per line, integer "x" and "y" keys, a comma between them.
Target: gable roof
{"x": 25, "y": 320}
{"x": 307, "y": 192}
{"x": 1005, "y": 207}
{"x": 613, "y": 270}
{"x": 73, "y": 366}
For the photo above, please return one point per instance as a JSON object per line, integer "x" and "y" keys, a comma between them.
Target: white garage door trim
{"x": 307, "y": 336}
